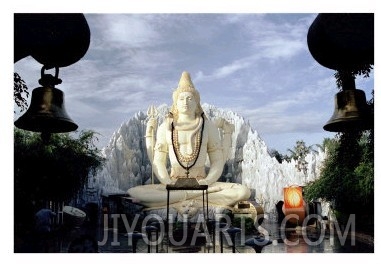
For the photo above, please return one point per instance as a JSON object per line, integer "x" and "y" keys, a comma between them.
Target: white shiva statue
{"x": 195, "y": 150}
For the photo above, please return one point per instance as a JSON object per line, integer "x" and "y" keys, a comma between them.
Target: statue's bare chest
{"x": 185, "y": 137}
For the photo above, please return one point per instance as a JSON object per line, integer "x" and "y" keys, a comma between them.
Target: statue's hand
{"x": 168, "y": 181}
{"x": 227, "y": 127}
{"x": 219, "y": 122}
{"x": 151, "y": 126}
{"x": 223, "y": 124}
{"x": 213, "y": 189}
{"x": 202, "y": 182}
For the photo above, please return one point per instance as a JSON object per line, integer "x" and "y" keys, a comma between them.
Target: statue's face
{"x": 186, "y": 103}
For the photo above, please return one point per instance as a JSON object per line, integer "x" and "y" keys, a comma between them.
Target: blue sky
{"x": 256, "y": 64}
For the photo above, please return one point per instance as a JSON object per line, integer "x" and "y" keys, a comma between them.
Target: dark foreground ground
{"x": 96, "y": 238}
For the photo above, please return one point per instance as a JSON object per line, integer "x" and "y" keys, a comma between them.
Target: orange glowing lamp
{"x": 293, "y": 197}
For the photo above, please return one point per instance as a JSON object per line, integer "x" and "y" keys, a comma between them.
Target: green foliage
{"x": 364, "y": 173}
{"x": 341, "y": 75}
{"x": 347, "y": 177}
{"x": 55, "y": 170}
{"x": 299, "y": 154}
{"x": 321, "y": 188}
{"x": 365, "y": 170}
{"x": 329, "y": 145}
{"x": 275, "y": 153}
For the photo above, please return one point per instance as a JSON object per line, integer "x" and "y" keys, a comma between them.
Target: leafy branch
{"x": 361, "y": 70}
{"x": 20, "y": 89}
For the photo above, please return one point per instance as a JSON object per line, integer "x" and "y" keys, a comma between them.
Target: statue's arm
{"x": 150, "y": 137}
{"x": 161, "y": 156}
{"x": 227, "y": 129}
{"x": 215, "y": 153}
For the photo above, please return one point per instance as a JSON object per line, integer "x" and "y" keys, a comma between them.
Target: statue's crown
{"x": 185, "y": 83}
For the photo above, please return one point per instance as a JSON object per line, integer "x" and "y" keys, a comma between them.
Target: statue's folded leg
{"x": 230, "y": 194}
{"x": 155, "y": 195}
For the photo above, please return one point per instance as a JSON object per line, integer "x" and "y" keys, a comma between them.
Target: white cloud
{"x": 122, "y": 30}
{"x": 274, "y": 48}
{"x": 224, "y": 71}
{"x": 275, "y": 36}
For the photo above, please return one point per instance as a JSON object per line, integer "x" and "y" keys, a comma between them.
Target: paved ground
{"x": 284, "y": 240}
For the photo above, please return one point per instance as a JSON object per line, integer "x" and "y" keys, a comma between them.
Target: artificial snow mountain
{"x": 127, "y": 164}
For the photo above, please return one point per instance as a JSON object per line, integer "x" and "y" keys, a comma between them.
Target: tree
{"x": 347, "y": 176}
{"x": 299, "y": 155}
{"x": 275, "y": 154}
{"x": 19, "y": 90}
{"x": 342, "y": 75}
{"x": 53, "y": 171}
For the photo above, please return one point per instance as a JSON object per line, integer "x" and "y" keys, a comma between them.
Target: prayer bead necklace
{"x": 196, "y": 151}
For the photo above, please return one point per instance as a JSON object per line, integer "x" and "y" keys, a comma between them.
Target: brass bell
{"x": 351, "y": 112}
{"x": 46, "y": 113}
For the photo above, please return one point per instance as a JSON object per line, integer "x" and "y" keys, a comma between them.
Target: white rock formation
{"x": 249, "y": 163}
